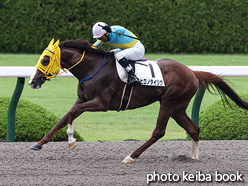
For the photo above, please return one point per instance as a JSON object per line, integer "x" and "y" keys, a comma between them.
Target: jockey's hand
{"x": 107, "y": 28}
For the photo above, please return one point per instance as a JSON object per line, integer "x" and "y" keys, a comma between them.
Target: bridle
{"x": 64, "y": 71}
{"x": 53, "y": 68}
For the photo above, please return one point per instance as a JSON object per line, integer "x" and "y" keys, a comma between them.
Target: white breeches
{"x": 134, "y": 53}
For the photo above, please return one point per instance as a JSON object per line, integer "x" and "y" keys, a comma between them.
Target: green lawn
{"x": 59, "y": 94}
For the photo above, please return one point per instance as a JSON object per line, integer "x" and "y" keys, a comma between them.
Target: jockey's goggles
{"x": 100, "y": 38}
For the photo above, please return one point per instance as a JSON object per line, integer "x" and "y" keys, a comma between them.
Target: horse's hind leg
{"x": 192, "y": 129}
{"x": 159, "y": 131}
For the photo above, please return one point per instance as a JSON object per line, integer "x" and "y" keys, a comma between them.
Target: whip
{"x": 120, "y": 33}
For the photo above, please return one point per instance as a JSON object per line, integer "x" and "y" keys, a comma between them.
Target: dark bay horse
{"x": 103, "y": 90}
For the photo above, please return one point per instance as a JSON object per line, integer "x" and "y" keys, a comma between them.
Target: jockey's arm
{"x": 97, "y": 44}
{"x": 118, "y": 29}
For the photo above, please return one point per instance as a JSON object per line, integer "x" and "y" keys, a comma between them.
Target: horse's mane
{"x": 83, "y": 45}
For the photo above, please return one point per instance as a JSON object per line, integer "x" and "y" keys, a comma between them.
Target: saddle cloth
{"x": 148, "y": 73}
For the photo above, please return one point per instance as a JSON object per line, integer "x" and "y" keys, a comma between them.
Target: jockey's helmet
{"x": 97, "y": 29}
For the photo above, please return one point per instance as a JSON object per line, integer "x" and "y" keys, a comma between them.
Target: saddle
{"x": 147, "y": 71}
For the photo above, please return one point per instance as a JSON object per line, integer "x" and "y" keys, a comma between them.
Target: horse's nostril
{"x": 43, "y": 78}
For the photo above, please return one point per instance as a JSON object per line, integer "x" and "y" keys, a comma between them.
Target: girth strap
{"x": 126, "y": 97}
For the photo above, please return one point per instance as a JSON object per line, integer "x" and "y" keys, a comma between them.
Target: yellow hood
{"x": 53, "y": 51}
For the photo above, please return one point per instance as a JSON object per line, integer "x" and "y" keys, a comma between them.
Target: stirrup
{"x": 133, "y": 80}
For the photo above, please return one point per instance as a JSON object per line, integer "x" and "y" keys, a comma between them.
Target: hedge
{"x": 219, "y": 122}
{"x": 32, "y": 122}
{"x": 189, "y": 26}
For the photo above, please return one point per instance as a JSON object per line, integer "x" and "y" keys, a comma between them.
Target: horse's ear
{"x": 57, "y": 43}
{"x": 51, "y": 42}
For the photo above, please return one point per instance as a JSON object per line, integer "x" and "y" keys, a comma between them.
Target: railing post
{"x": 12, "y": 109}
{"x": 196, "y": 105}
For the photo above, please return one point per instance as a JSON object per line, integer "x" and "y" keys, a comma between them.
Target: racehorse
{"x": 103, "y": 90}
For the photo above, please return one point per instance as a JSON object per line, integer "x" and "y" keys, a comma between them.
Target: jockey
{"x": 128, "y": 46}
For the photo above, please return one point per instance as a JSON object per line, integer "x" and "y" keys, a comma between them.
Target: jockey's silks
{"x": 118, "y": 40}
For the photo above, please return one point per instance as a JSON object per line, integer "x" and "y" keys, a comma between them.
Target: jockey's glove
{"x": 107, "y": 28}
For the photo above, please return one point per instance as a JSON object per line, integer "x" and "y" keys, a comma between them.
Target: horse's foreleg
{"x": 62, "y": 123}
{"x": 159, "y": 131}
{"x": 71, "y": 140}
{"x": 78, "y": 108}
{"x": 192, "y": 129}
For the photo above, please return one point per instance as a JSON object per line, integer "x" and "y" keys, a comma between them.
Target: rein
{"x": 72, "y": 65}
{"x": 85, "y": 79}
{"x": 77, "y": 62}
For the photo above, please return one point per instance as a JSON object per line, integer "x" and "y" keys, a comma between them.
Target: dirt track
{"x": 99, "y": 163}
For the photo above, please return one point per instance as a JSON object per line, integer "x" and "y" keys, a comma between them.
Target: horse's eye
{"x": 45, "y": 62}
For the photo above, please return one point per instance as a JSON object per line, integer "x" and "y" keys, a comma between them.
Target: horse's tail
{"x": 207, "y": 80}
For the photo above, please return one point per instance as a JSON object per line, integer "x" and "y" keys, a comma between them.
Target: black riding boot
{"x": 132, "y": 79}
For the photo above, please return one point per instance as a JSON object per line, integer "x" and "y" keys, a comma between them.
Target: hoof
{"x": 72, "y": 144}
{"x": 195, "y": 158}
{"x": 128, "y": 159}
{"x": 36, "y": 146}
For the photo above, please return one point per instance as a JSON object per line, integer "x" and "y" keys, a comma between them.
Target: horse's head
{"x": 48, "y": 65}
